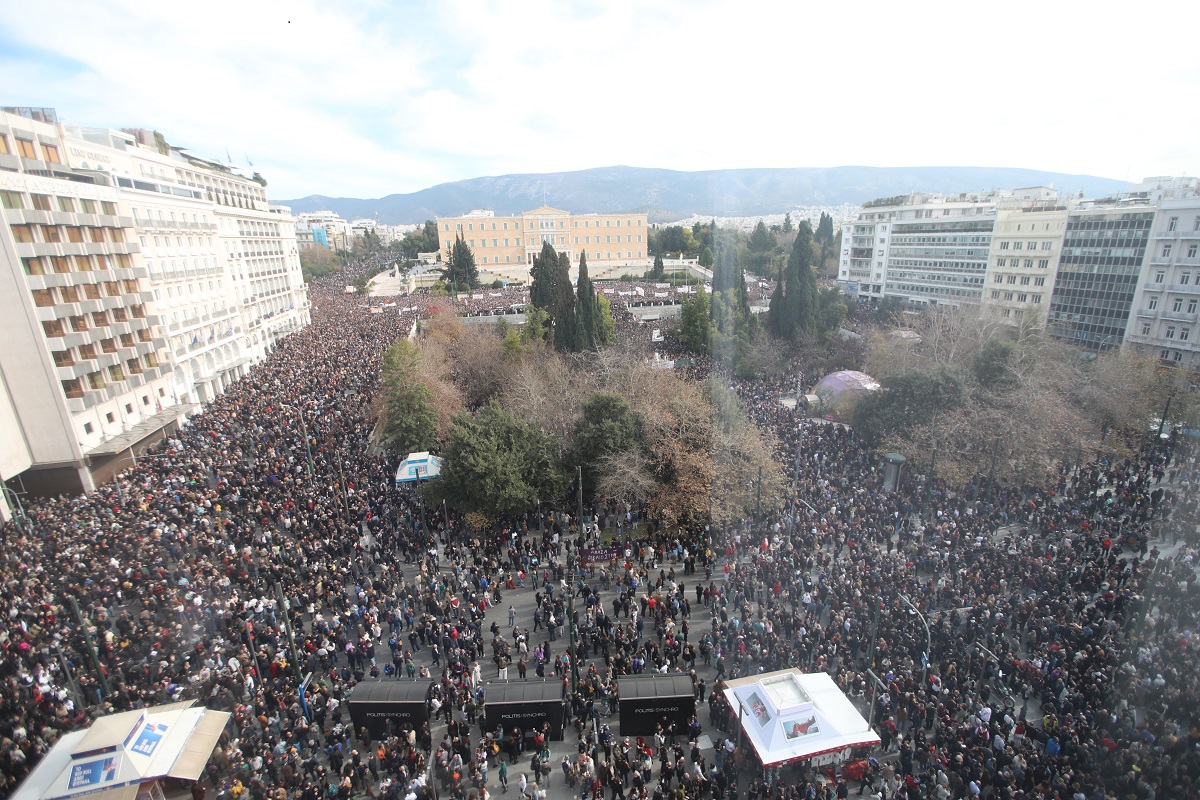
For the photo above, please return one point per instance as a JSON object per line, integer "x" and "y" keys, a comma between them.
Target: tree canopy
{"x": 551, "y": 290}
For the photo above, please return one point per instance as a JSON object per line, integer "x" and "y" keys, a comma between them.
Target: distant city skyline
{"x": 386, "y": 97}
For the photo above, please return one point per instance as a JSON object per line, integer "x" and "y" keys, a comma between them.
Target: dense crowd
{"x": 1059, "y": 660}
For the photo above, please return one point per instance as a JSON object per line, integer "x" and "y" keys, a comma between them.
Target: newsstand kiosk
{"x": 381, "y": 706}
{"x": 647, "y": 700}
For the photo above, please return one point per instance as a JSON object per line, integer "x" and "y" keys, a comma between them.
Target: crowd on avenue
{"x": 1059, "y": 659}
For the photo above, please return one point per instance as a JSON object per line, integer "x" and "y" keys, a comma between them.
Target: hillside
{"x": 668, "y": 194}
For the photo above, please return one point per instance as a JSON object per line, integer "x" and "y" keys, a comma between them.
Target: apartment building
{"x": 84, "y": 372}
{"x": 923, "y": 249}
{"x": 194, "y": 305}
{"x": 1023, "y": 259}
{"x": 1166, "y": 300}
{"x": 1103, "y": 249}
{"x": 506, "y": 245}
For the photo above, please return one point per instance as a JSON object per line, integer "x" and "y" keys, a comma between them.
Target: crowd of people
{"x": 1057, "y": 661}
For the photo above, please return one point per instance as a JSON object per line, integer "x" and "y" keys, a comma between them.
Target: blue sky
{"x": 369, "y": 98}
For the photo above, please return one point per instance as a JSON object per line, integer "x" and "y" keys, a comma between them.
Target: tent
{"x": 376, "y": 705}
{"x": 790, "y": 716}
{"x": 417, "y": 465}
{"x": 526, "y": 705}
{"x": 646, "y": 700}
{"x": 128, "y": 755}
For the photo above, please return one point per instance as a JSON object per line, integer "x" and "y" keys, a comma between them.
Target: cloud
{"x": 371, "y": 98}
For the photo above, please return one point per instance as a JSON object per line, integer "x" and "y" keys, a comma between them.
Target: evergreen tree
{"x": 794, "y": 304}
{"x": 761, "y": 247}
{"x": 588, "y": 324}
{"x": 461, "y": 271}
{"x": 551, "y": 291}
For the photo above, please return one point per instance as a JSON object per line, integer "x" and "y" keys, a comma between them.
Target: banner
{"x": 599, "y": 555}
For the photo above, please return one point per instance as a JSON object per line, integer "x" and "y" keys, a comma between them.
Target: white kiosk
{"x": 791, "y": 716}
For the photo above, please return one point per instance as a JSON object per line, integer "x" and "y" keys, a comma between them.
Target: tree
{"x": 794, "y": 304}
{"x": 461, "y": 272}
{"x": 551, "y": 290}
{"x": 904, "y": 401}
{"x": 317, "y": 261}
{"x": 761, "y": 248}
{"x": 831, "y": 310}
{"x": 589, "y": 324}
{"x": 411, "y": 422}
{"x": 659, "y": 271}
{"x": 608, "y": 325}
{"x": 537, "y": 325}
{"x": 695, "y": 328}
{"x": 706, "y": 258}
{"x": 788, "y": 225}
{"x": 496, "y": 464}
{"x": 608, "y": 425}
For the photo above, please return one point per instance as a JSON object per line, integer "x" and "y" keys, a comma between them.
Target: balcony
{"x": 1149, "y": 313}
{"x": 1183, "y": 288}
{"x": 1179, "y": 316}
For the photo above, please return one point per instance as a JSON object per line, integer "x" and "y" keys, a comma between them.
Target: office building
{"x": 1104, "y": 245}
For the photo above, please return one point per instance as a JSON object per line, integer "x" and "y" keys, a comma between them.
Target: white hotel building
{"x": 136, "y": 282}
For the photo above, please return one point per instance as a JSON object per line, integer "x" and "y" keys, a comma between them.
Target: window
{"x": 66, "y": 204}
{"x": 1018, "y": 245}
{"x": 1185, "y": 334}
{"x": 1012, "y": 278}
{"x": 1185, "y": 278}
{"x": 999, "y": 279}
{"x": 1191, "y": 307}
{"x": 108, "y": 207}
{"x": 87, "y": 426}
{"x": 1047, "y": 245}
{"x": 1191, "y": 251}
{"x": 1022, "y": 298}
{"x": 1001, "y": 262}
{"x": 1043, "y": 263}
{"x": 1152, "y": 303}
{"x": 1160, "y": 276}
{"x": 1172, "y": 223}
{"x": 995, "y": 294}
{"x": 1029, "y": 263}
{"x": 50, "y": 153}
{"x": 1004, "y": 245}
{"x": 1039, "y": 281}
{"x": 109, "y": 416}
{"x": 1166, "y": 251}
{"x": 23, "y": 234}
{"x": 4, "y": 144}
{"x": 1008, "y": 295}
{"x": 25, "y": 148}
{"x": 41, "y": 202}
{"x": 1170, "y": 331}
{"x": 1145, "y": 329}
{"x": 1024, "y": 280}
{"x": 51, "y": 233}
{"x": 1037, "y": 298}
{"x": 1177, "y": 306}
{"x": 89, "y": 206}
{"x": 12, "y": 200}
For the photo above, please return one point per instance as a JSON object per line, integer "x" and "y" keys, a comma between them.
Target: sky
{"x": 368, "y": 98}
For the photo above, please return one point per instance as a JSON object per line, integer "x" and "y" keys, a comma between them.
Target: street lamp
{"x": 304, "y": 430}
{"x": 928, "y": 638}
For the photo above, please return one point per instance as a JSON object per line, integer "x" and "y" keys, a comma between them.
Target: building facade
{"x": 154, "y": 278}
{"x": 1166, "y": 301}
{"x": 922, "y": 249}
{"x": 1103, "y": 249}
{"x": 1023, "y": 260}
{"x": 85, "y": 372}
{"x": 506, "y": 245}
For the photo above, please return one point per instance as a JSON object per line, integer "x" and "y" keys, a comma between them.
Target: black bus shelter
{"x": 647, "y": 700}
{"x": 526, "y": 705}
{"x": 380, "y": 705}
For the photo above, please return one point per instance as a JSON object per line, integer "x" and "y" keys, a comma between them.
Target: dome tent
{"x": 840, "y": 390}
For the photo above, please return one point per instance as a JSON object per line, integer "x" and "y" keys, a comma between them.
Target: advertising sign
{"x": 149, "y": 737}
{"x": 93, "y": 773}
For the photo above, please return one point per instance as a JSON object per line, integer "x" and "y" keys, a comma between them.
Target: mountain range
{"x": 667, "y": 195}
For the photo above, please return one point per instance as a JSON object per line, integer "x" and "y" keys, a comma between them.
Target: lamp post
{"x": 304, "y": 430}
{"x": 928, "y": 638}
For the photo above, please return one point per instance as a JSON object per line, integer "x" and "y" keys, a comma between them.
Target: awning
{"x": 138, "y": 432}
{"x": 194, "y": 757}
